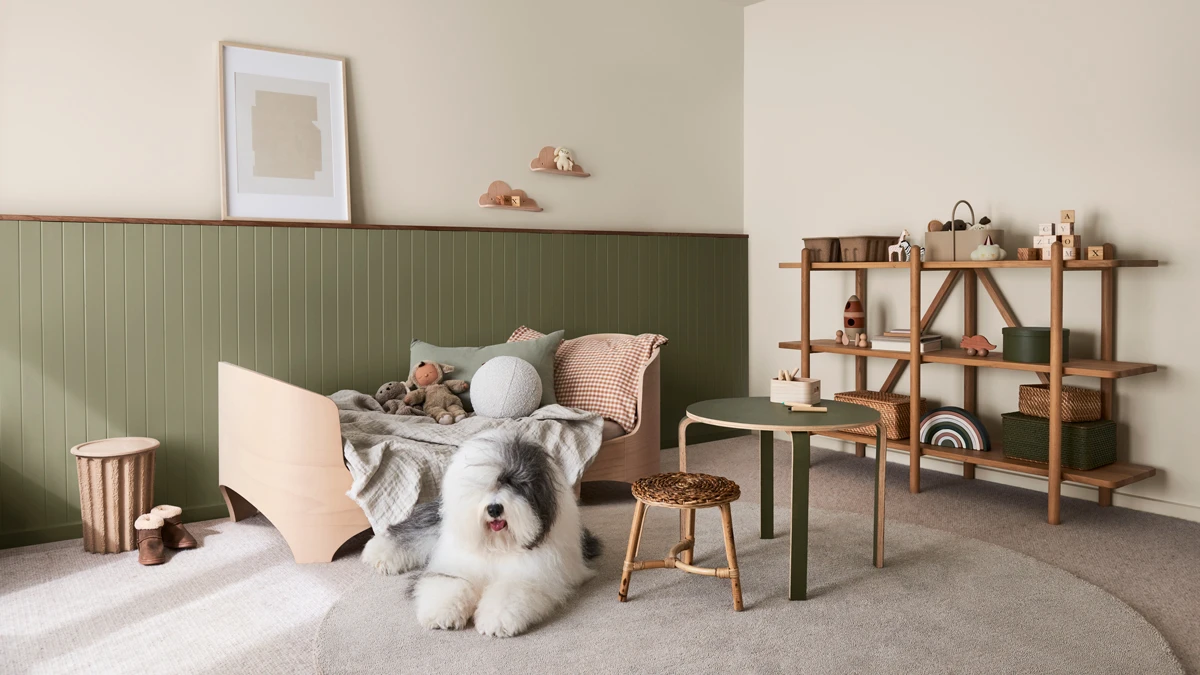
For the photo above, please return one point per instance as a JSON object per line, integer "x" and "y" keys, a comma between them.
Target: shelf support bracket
{"x": 1003, "y": 307}
{"x": 935, "y": 306}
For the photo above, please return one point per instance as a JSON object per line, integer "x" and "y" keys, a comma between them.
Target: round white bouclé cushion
{"x": 506, "y": 386}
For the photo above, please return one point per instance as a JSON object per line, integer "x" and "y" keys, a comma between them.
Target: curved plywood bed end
{"x": 636, "y": 454}
{"x": 280, "y": 452}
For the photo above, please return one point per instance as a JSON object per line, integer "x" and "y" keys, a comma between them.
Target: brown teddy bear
{"x": 435, "y": 393}
{"x": 391, "y": 397}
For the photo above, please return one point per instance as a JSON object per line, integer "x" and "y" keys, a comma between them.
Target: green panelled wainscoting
{"x": 115, "y": 329}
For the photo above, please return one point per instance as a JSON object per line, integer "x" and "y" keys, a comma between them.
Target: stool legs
{"x": 635, "y": 534}
{"x": 689, "y": 534}
{"x": 731, "y": 556}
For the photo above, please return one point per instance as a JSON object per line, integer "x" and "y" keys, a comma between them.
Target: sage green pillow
{"x": 466, "y": 360}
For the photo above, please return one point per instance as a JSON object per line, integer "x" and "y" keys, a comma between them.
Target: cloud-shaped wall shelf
{"x": 545, "y": 162}
{"x": 500, "y": 196}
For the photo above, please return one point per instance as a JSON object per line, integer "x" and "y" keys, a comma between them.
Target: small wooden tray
{"x": 544, "y": 162}
{"x": 499, "y": 188}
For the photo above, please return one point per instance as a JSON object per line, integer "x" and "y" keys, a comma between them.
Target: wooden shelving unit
{"x": 975, "y": 274}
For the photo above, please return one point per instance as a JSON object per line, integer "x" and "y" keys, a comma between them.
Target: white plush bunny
{"x": 563, "y": 159}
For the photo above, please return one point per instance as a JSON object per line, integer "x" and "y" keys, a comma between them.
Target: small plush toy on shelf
{"x": 976, "y": 345}
{"x": 988, "y": 251}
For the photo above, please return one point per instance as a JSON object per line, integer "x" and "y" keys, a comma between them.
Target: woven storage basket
{"x": 1085, "y": 445}
{"x": 893, "y": 412}
{"x": 1078, "y": 404}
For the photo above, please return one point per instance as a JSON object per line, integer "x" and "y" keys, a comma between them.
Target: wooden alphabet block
{"x": 1042, "y": 241}
{"x": 1029, "y": 254}
{"x": 516, "y": 200}
{"x": 1071, "y": 241}
{"x": 1067, "y": 216}
{"x": 1103, "y": 252}
{"x": 1064, "y": 228}
{"x": 1073, "y": 253}
{"x": 501, "y": 200}
{"x": 1046, "y": 229}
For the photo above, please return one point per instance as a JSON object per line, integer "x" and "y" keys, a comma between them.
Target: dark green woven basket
{"x": 1085, "y": 445}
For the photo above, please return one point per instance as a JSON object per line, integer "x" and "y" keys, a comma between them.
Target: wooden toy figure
{"x": 976, "y": 345}
{"x": 854, "y": 319}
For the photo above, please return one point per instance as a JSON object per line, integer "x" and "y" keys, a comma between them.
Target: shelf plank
{"x": 1107, "y": 370}
{"x": 835, "y": 347}
{"x": 1069, "y": 265}
{"x": 1114, "y": 475}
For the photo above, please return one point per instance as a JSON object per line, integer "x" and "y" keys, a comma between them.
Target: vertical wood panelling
{"x": 33, "y": 468}
{"x": 74, "y": 360}
{"x": 170, "y": 460}
{"x": 110, "y": 329}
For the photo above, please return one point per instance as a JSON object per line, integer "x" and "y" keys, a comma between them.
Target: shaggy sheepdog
{"x": 504, "y": 546}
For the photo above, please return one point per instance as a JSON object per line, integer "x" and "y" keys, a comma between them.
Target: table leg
{"x": 798, "y": 587}
{"x": 880, "y": 483}
{"x": 766, "y": 470}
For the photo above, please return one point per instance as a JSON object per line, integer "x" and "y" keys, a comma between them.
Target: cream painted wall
{"x": 110, "y": 108}
{"x": 867, "y": 117}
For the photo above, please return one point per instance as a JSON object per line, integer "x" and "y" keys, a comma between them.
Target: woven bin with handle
{"x": 893, "y": 411}
{"x": 1078, "y": 404}
{"x": 1085, "y": 445}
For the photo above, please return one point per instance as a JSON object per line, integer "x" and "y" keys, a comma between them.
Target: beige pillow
{"x": 600, "y": 374}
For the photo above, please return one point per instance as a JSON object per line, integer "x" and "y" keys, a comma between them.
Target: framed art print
{"x": 284, "y": 149}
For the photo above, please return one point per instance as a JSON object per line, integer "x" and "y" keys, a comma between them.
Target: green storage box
{"x": 1032, "y": 345}
{"x": 1085, "y": 445}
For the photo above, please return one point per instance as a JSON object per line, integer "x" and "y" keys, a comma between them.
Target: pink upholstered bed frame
{"x": 280, "y": 452}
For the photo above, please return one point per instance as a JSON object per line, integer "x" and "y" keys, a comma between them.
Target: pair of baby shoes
{"x": 163, "y": 526}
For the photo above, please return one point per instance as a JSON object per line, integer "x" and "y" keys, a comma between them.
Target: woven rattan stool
{"x": 686, "y": 492}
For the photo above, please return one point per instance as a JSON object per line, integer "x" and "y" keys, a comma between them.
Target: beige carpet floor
{"x": 238, "y": 604}
{"x": 943, "y": 604}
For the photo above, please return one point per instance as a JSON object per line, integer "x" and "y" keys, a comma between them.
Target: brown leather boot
{"x": 149, "y": 539}
{"x": 174, "y": 534}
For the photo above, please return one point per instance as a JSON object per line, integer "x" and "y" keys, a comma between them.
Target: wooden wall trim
{"x": 359, "y": 226}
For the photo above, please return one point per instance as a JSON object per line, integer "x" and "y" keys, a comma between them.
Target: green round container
{"x": 1032, "y": 345}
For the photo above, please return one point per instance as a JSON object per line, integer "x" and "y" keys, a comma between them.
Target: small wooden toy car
{"x": 976, "y": 345}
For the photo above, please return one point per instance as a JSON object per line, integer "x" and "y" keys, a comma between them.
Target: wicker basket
{"x": 893, "y": 412}
{"x": 866, "y": 249}
{"x": 824, "y": 249}
{"x": 1085, "y": 445}
{"x": 1078, "y": 404}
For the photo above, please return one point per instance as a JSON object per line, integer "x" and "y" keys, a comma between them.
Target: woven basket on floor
{"x": 893, "y": 412}
{"x": 1078, "y": 404}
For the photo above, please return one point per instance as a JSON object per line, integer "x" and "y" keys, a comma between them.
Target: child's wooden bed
{"x": 280, "y": 452}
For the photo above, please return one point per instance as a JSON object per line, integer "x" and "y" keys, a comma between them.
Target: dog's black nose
{"x": 494, "y": 510}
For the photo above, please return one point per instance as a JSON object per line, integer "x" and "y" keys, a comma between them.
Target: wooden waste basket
{"x": 116, "y": 485}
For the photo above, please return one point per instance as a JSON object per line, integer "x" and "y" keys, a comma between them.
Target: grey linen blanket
{"x": 397, "y": 461}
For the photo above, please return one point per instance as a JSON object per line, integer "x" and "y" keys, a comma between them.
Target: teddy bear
{"x": 437, "y": 395}
{"x": 391, "y": 397}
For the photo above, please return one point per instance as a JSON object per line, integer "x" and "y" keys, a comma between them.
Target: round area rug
{"x": 942, "y": 604}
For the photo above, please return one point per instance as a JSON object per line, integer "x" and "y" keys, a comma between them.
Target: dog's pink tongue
{"x": 498, "y": 525}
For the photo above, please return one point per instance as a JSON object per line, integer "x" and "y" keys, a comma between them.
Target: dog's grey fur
{"x": 529, "y": 475}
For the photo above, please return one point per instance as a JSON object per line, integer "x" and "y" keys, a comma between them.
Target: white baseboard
{"x": 1138, "y": 503}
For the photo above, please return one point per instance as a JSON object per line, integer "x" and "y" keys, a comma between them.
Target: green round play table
{"x": 760, "y": 414}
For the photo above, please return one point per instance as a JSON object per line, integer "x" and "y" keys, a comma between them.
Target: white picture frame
{"x": 297, "y": 166}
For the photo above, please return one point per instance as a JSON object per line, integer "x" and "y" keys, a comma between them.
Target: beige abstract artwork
{"x": 287, "y": 143}
{"x": 282, "y": 136}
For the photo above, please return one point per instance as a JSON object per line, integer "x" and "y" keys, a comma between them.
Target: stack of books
{"x": 897, "y": 340}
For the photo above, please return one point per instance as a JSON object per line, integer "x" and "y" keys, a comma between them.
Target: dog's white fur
{"x": 506, "y": 580}
{"x": 563, "y": 159}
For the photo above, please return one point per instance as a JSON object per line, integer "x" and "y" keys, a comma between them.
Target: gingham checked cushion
{"x": 600, "y": 374}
